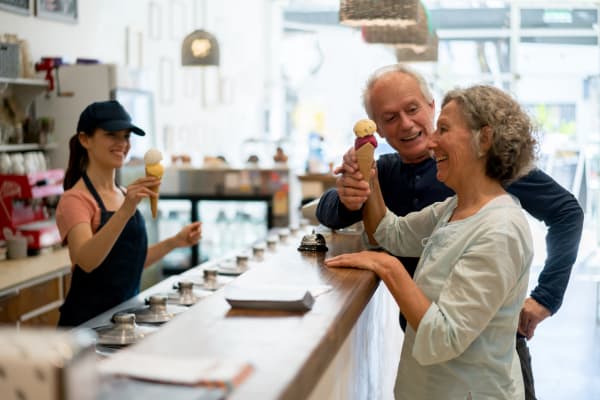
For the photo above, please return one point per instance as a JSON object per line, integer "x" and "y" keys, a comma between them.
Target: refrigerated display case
{"x": 233, "y": 215}
{"x": 236, "y": 206}
{"x": 172, "y": 216}
{"x": 227, "y": 225}
{"x": 230, "y": 225}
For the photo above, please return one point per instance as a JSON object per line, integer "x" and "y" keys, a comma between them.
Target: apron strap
{"x": 92, "y": 190}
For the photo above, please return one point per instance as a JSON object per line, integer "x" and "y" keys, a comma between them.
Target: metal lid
{"x": 184, "y": 296}
{"x": 185, "y": 285}
{"x": 210, "y": 273}
{"x": 231, "y": 268}
{"x": 258, "y": 254}
{"x": 210, "y": 280}
{"x": 156, "y": 312}
{"x": 313, "y": 242}
{"x": 272, "y": 242}
{"x": 124, "y": 331}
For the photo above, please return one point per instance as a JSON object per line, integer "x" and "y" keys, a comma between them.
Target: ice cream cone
{"x": 154, "y": 206}
{"x": 154, "y": 200}
{"x": 364, "y": 145}
{"x": 154, "y": 168}
{"x": 364, "y": 156}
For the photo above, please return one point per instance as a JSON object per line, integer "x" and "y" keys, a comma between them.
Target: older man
{"x": 398, "y": 99}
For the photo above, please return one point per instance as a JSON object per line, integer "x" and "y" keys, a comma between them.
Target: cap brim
{"x": 117, "y": 125}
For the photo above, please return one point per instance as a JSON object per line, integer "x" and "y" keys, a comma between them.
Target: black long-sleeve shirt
{"x": 411, "y": 187}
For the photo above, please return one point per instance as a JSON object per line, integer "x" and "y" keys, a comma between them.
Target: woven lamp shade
{"x": 379, "y": 12}
{"x": 429, "y": 52}
{"x": 200, "y": 48}
{"x": 412, "y": 34}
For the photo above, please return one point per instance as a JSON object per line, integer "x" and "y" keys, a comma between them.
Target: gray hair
{"x": 389, "y": 69}
{"x": 513, "y": 148}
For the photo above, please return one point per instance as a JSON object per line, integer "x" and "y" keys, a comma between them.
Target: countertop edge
{"x": 16, "y": 274}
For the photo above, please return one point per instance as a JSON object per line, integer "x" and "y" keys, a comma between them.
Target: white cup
{"x": 16, "y": 247}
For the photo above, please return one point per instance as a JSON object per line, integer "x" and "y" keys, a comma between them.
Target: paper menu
{"x": 277, "y": 290}
{"x": 273, "y": 297}
{"x": 176, "y": 370}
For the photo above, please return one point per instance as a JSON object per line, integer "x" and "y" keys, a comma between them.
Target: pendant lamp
{"x": 415, "y": 53}
{"x": 379, "y": 12}
{"x": 390, "y": 34}
{"x": 200, "y": 48}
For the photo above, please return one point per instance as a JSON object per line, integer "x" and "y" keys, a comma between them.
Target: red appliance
{"x": 23, "y": 206}
{"x": 49, "y": 64}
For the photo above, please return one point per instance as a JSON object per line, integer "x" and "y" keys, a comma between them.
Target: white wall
{"x": 232, "y": 106}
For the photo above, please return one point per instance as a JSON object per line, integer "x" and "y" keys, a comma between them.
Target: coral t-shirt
{"x": 76, "y": 206}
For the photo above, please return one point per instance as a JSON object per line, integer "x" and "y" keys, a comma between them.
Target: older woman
{"x": 475, "y": 248}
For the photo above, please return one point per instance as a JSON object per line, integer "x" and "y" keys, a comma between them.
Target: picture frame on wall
{"x": 154, "y": 21}
{"x": 178, "y": 20}
{"x": 58, "y": 10}
{"x": 134, "y": 44}
{"x": 17, "y": 6}
{"x": 166, "y": 84}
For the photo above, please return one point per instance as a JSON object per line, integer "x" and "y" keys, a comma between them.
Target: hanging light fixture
{"x": 200, "y": 48}
{"x": 379, "y": 12}
{"x": 415, "y": 53}
{"x": 390, "y": 34}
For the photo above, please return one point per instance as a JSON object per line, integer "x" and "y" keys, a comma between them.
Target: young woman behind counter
{"x": 99, "y": 220}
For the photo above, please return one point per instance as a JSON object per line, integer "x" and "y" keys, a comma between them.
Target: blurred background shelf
{"x": 26, "y": 147}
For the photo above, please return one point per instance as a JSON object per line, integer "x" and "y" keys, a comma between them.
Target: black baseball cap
{"x": 108, "y": 115}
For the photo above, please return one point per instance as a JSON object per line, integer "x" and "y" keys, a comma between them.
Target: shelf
{"x": 26, "y": 147}
{"x": 24, "y": 82}
{"x": 22, "y": 89}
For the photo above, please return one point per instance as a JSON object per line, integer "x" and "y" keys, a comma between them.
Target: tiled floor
{"x": 566, "y": 347}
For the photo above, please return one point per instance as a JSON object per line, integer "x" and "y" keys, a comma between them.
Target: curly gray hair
{"x": 513, "y": 149}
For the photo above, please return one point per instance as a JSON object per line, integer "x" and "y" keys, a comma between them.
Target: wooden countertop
{"x": 15, "y": 274}
{"x": 289, "y": 351}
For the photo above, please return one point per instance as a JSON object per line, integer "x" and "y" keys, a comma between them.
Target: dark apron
{"x": 116, "y": 279}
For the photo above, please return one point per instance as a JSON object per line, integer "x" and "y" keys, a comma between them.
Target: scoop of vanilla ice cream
{"x": 153, "y": 156}
{"x": 364, "y": 127}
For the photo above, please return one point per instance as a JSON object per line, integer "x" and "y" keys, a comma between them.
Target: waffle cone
{"x": 154, "y": 204}
{"x": 154, "y": 200}
{"x": 364, "y": 157}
